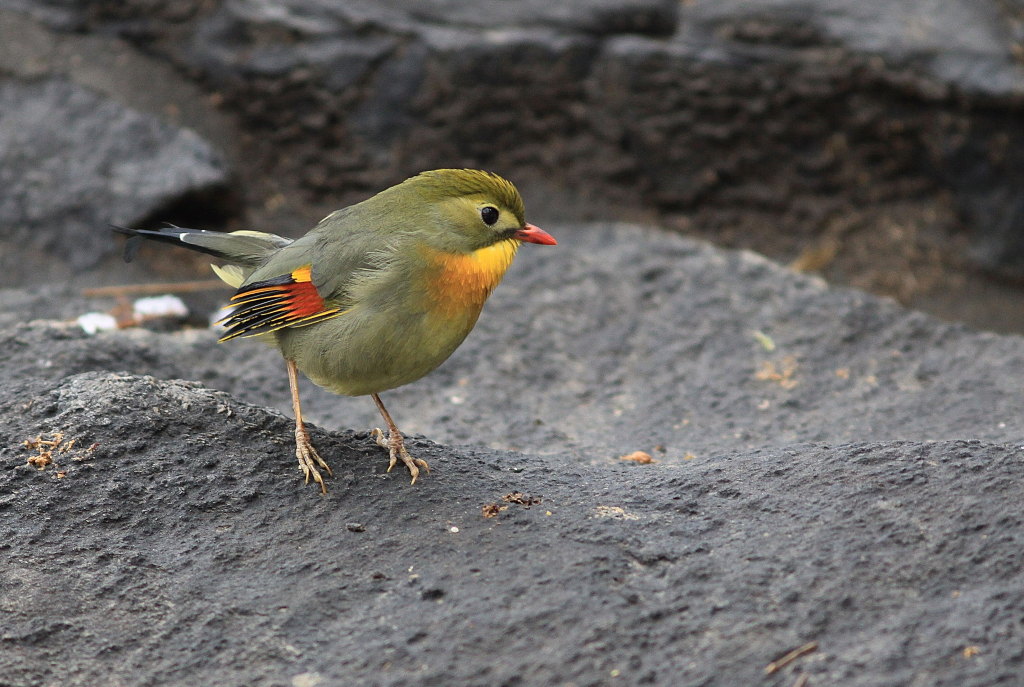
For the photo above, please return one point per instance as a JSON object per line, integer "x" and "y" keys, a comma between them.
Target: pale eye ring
{"x": 489, "y": 215}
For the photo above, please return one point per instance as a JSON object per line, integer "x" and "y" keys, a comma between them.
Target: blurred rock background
{"x": 879, "y": 144}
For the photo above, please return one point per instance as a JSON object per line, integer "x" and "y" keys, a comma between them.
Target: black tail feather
{"x": 131, "y": 246}
{"x": 169, "y": 234}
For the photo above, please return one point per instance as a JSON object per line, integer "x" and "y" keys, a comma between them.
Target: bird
{"x": 376, "y": 295}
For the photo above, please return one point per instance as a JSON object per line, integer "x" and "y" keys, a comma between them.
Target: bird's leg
{"x": 395, "y": 444}
{"x": 309, "y": 459}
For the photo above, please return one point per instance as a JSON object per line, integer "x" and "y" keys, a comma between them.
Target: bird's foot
{"x": 309, "y": 460}
{"x": 395, "y": 445}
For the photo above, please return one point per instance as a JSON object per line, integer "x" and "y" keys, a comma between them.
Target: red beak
{"x": 533, "y": 234}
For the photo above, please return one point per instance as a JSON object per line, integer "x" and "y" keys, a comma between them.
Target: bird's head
{"x": 471, "y": 209}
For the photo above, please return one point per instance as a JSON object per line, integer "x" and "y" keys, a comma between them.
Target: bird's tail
{"x": 244, "y": 249}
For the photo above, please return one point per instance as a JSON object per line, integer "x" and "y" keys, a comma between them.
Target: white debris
{"x": 92, "y": 322}
{"x": 159, "y": 306}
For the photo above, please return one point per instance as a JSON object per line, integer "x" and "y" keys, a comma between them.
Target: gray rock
{"x": 175, "y": 512}
{"x": 962, "y": 45}
{"x": 600, "y": 17}
{"x": 244, "y": 39}
{"x": 861, "y": 492}
{"x": 74, "y": 162}
{"x": 63, "y": 15}
{"x": 949, "y": 53}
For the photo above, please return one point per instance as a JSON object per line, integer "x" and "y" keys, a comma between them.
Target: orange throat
{"x": 461, "y": 282}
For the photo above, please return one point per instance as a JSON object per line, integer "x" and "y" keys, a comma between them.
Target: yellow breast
{"x": 460, "y": 283}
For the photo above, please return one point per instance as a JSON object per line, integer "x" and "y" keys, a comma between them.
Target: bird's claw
{"x": 395, "y": 445}
{"x": 309, "y": 460}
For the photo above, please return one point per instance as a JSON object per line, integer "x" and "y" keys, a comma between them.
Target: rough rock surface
{"x": 856, "y": 486}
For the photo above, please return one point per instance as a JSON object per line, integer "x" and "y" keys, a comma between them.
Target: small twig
{"x": 165, "y": 287}
{"x": 802, "y": 680}
{"x": 780, "y": 663}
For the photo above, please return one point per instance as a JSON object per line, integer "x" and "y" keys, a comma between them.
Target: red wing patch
{"x": 290, "y": 300}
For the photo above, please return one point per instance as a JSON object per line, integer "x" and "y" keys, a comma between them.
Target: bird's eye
{"x": 489, "y": 215}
